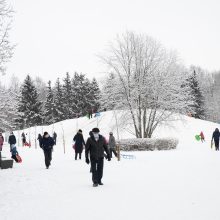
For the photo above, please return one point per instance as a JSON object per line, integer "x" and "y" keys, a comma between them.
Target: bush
{"x": 142, "y": 144}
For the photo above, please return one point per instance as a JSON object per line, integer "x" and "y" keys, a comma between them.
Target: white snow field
{"x": 182, "y": 184}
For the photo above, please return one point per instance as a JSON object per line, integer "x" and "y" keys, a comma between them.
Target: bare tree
{"x": 6, "y": 49}
{"x": 150, "y": 83}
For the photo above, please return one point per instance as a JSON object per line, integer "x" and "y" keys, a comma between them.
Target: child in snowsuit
{"x": 202, "y": 136}
{"x": 215, "y": 136}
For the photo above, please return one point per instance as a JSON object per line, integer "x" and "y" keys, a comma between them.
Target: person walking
{"x": 112, "y": 144}
{"x": 95, "y": 147}
{"x": 215, "y": 136}
{"x": 47, "y": 144}
{"x": 23, "y": 139}
{"x": 55, "y": 137}
{"x": 12, "y": 142}
{"x": 39, "y": 138}
{"x": 79, "y": 143}
{"x": 1, "y": 141}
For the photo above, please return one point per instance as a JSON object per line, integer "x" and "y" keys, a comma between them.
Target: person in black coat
{"x": 95, "y": 147}
{"x": 47, "y": 144}
{"x": 215, "y": 136}
{"x": 79, "y": 142}
{"x": 12, "y": 139}
{"x": 39, "y": 138}
{"x": 55, "y": 137}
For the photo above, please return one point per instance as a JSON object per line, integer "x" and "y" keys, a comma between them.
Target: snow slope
{"x": 181, "y": 184}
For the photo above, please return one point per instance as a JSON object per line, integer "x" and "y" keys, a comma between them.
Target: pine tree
{"x": 59, "y": 110}
{"x": 95, "y": 95}
{"x": 78, "y": 96}
{"x": 49, "y": 109}
{"x": 29, "y": 107}
{"x": 69, "y": 104}
{"x": 198, "y": 105}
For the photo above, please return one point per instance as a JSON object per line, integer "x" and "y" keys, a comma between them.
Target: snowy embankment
{"x": 179, "y": 184}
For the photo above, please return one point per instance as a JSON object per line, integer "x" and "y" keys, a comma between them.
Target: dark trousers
{"x": 97, "y": 169}
{"x": 76, "y": 154}
{"x": 112, "y": 150}
{"x": 216, "y": 145}
{"x": 48, "y": 157}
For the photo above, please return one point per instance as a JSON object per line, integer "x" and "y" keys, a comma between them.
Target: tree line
{"x": 34, "y": 103}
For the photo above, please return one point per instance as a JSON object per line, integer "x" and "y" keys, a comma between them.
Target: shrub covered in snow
{"x": 141, "y": 144}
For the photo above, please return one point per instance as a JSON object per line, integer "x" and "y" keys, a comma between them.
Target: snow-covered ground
{"x": 181, "y": 184}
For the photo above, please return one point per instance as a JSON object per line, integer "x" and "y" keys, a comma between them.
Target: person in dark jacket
{"x": 79, "y": 142}
{"x": 215, "y": 136}
{"x": 23, "y": 138}
{"x": 12, "y": 139}
{"x": 95, "y": 147}
{"x": 1, "y": 141}
{"x": 39, "y": 138}
{"x": 55, "y": 137}
{"x": 47, "y": 144}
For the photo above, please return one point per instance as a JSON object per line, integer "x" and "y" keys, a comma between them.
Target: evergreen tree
{"x": 95, "y": 94}
{"x": 49, "y": 109}
{"x": 59, "y": 109}
{"x": 29, "y": 107}
{"x": 78, "y": 96}
{"x": 198, "y": 105}
{"x": 69, "y": 104}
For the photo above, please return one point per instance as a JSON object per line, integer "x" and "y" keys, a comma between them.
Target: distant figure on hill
{"x": 202, "y": 136}
{"x": 215, "y": 136}
{"x": 1, "y": 141}
{"x": 79, "y": 142}
{"x": 55, "y": 137}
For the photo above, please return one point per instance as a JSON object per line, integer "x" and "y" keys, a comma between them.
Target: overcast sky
{"x": 56, "y": 36}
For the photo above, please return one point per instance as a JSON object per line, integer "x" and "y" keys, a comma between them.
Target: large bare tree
{"x": 6, "y": 48}
{"x": 149, "y": 81}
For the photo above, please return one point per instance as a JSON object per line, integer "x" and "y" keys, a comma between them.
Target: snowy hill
{"x": 180, "y": 184}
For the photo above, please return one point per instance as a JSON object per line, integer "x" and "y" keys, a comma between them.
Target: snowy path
{"x": 174, "y": 185}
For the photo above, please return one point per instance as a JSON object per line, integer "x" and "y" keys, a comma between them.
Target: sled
{"x": 19, "y": 159}
{"x": 26, "y": 144}
{"x": 128, "y": 156}
{"x": 197, "y": 137}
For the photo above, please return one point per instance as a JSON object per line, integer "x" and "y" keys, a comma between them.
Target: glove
{"x": 87, "y": 160}
{"x": 109, "y": 158}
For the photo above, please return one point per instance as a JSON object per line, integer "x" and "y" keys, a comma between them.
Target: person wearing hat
{"x": 79, "y": 143}
{"x": 112, "y": 144}
{"x": 47, "y": 144}
{"x": 95, "y": 147}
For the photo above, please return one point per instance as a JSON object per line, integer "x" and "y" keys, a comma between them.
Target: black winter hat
{"x": 80, "y": 130}
{"x": 95, "y": 130}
